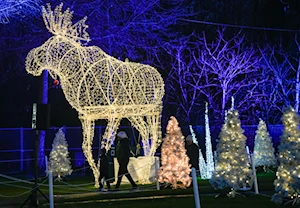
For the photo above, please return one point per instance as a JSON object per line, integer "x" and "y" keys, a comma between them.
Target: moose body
{"x": 97, "y": 85}
{"x": 92, "y": 78}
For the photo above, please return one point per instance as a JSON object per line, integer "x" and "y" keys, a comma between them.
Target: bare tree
{"x": 279, "y": 68}
{"x": 136, "y": 29}
{"x": 18, "y": 9}
{"x": 297, "y": 76}
{"x": 230, "y": 66}
{"x": 183, "y": 81}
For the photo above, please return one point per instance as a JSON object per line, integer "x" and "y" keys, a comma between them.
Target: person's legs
{"x": 100, "y": 178}
{"x": 107, "y": 181}
{"x": 121, "y": 172}
{"x": 128, "y": 176}
{"x": 118, "y": 181}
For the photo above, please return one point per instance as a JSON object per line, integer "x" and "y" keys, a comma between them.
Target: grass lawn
{"x": 80, "y": 192}
{"x": 251, "y": 201}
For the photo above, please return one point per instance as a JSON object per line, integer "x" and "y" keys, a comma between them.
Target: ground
{"x": 79, "y": 192}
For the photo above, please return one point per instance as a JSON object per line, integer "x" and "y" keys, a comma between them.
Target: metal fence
{"x": 17, "y": 144}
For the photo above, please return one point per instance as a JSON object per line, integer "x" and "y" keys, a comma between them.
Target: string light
{"x": 97, "y": 85}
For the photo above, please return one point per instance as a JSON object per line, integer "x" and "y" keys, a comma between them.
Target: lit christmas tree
{"x": 202, "y": 164}
{"x": 175, "y": 168}
{"x": 287, "y": 183}
{"x": 263, "y": 148}
{"x": 233, "y": 167}
{"x": 59, "y": 161}
{"x": 209, "y": 153}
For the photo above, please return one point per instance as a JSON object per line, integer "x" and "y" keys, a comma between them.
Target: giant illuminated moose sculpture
{"x": 97, "y": 85}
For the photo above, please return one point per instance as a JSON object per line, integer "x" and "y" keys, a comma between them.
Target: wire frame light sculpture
{"x": 97, "y": 85}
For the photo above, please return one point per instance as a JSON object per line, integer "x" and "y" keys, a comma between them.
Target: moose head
{"x": 65, "y": 36}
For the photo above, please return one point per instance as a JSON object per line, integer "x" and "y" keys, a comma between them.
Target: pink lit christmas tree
{"x": 175, "y": 168}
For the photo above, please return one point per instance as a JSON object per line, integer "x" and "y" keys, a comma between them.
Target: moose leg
{"x": 155, "y": 131}
{"x": 110, "y": 132}
{"x": 88, "y": 135}
{"x": 139, "y": 123}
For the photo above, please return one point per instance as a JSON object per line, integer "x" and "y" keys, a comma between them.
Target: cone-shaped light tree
{"x": 287, "y": 183}
{"x": 209, "y": 153}
{"x": 263, "y": 147}
{"x": 202, "y": 163}
{"x": 175, "y": 168}
{"x": 59, "y": 163}
{"x": 233, "y": 167}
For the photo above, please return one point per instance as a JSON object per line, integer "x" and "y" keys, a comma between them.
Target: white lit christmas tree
{"x": 263, "y": 147}
{"x": 202, "y": 164}
{"x": 209, "y": 153}
{"x": 59, "y": 162}
{"x": 233, "y": 167}
{"x": 175, "y": 168}
{"x": 287, "y": 184}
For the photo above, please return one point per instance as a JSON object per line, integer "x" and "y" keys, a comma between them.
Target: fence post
{"x": 195, "y": 188}
{"x": 254, "y": 175}
{"x": 21, "y": 149}
{"x": 156, "y": 172}
{"x": 50, "y": 179}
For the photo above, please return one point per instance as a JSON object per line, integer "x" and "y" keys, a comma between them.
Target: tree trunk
{"x": 297, "y": 88}
{"x": 223, "y": 100}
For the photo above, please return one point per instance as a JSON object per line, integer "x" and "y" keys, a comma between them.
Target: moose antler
{"x": 60, "y": 23}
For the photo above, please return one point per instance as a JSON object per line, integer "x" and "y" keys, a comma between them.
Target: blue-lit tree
{"x": 184, "y": 80}
{"x": 226, "y": 62}
{"x": 18, "y": 9}
{"x": 137, "y": 30}
{"x": 278, "y": 69}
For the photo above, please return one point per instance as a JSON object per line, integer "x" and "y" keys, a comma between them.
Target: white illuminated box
{"x": 142, "y": 169}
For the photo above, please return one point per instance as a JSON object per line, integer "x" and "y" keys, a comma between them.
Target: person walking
{"x": 123, "y": 154}
{"x": 104, "y": 170}
{"x": 192, "y": 152}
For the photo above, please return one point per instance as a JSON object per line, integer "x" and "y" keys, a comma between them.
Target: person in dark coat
{"x": 104, "y": 170}
{"x": 123, "y": 154}
{"x": 192, "y": 152}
